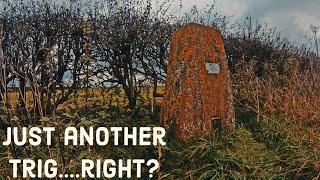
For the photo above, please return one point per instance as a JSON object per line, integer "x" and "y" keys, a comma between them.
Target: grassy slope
{"x": 267, "y": 149}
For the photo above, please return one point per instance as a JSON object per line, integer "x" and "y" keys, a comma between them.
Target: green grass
{"x": 269, "y": 149}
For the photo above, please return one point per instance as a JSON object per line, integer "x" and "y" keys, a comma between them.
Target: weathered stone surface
{"x": 198, "y": 94}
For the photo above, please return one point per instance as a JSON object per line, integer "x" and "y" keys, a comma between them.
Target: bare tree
{"x": 132, "y": 45}
{"x": 43, "y": 44}
{"x": 315, "y": 30}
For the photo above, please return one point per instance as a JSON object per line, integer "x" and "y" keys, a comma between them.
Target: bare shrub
{"x": 286, "y": 88}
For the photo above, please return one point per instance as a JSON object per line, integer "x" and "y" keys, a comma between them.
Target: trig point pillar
{"x": 198, "y": 95}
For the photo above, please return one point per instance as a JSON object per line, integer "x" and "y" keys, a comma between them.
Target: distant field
{"x": 95, "y": 96}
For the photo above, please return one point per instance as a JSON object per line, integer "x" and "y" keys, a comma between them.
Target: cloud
{"x": 292, "y": 17}
{"x": 233, "y": 8}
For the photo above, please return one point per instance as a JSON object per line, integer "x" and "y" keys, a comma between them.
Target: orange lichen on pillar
{"x": 198, "y": 94}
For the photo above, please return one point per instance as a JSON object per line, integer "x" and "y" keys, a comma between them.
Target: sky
{"x": 291, "y": 17}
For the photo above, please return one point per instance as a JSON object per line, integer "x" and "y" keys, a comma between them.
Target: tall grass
{"x": 289, "y": 87}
